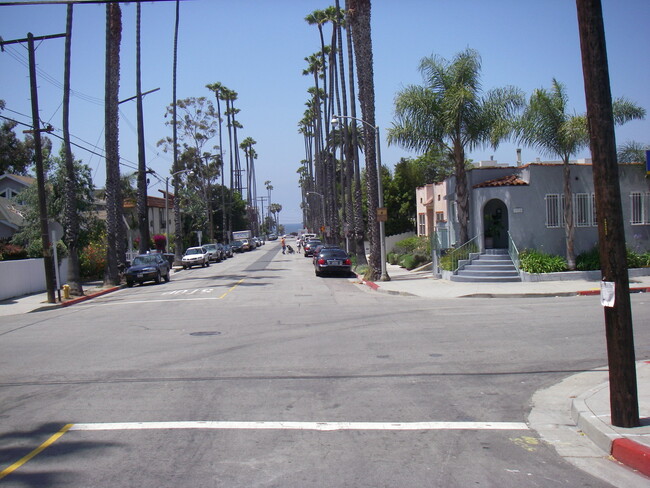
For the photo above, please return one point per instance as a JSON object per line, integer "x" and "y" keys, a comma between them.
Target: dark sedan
{"x": 332, "y": 260}
{"x": 310, "y": 246}
{"x": 148, "y": 267}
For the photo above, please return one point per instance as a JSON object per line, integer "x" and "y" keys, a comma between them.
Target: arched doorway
{"x": 495, "y": 225}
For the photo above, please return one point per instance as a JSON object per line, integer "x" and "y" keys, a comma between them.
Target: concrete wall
{"x": 26, "y": 277}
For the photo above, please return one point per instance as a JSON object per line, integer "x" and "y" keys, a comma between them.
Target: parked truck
{"x": 246, "y": 237}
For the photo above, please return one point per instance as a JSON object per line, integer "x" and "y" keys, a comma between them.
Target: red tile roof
{"x": 510, "y": 180}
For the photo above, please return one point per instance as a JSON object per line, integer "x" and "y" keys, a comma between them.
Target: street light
{"x": 322, "y": 207}
{"x": 380, "y": 191}
{"x": 189, "y": 172}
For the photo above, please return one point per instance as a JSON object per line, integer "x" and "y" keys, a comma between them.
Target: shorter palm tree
{"x": 546, "y": 125}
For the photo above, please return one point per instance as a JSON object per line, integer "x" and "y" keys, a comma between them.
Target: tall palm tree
{"x": 353, "y": 153}
{"x": 359, "y": 17}
{"x": 115, "y": 256}
{"x": 547, "y": 126}
{"x": 178, "y": 227}
{"x": 448, "y": 112}
{"x": 219, "y": 89}
{"x": 71, "y": 217}
{"x": 143, "y": 213}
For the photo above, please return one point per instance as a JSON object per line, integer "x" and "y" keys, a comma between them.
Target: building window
{"x": 594, "y": 216}
{"x": 440, "y": 216}
{"x": 9, "y": 193}
{"x": 422, "y": 224}
{"x": 640, "y": 208}
{"x": 554, "y": 210}
{"x": 582, "y": 209}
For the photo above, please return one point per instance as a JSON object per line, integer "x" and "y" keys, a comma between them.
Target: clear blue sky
{"x": 257, "y": 48}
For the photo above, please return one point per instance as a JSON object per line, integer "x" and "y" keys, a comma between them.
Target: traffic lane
{"x": 234, "y": 458}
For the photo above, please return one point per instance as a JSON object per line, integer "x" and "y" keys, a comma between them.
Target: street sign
{"x": 382, "y": 214}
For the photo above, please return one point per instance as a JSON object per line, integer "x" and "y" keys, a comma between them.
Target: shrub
{"x": 588, "y": 261}
{"x": 12, "y": 251}
{"x": 92, "y": 260}
{"x": 414, "y": 245}
{"x": 160, "y": 242}
{"x": 533, "y": 261}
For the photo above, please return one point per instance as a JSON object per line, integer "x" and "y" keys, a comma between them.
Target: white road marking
{"x": 318, "y": 426}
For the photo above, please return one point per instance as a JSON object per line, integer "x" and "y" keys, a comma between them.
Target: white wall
{"x": 26, "y": 276}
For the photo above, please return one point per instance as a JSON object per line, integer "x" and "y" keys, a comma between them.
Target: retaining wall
{"x": 26, "y": 277}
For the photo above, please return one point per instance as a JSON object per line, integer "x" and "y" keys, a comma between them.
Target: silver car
{"x": 196, "y": 256}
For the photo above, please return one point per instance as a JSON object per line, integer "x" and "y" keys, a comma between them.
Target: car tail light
{"x": 322, "y": 261}
{"x": 347, "y": 262}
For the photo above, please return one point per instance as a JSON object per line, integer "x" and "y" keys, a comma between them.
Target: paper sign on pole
{"x": 607, "y": 295}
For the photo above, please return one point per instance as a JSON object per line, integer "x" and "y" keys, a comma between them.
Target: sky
{"x": 257, "y": 48}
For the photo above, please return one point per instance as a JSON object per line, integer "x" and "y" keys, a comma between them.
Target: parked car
{"x": 273, "y": 237}
{"x": 226, "y": 250}
{"x": 196, "y": 256}
{"x": 237, "y": 246}
{"x": 148, "y": 267}
{"x": 320, "y": 247}
{"x": 332, "y": 260}
{"x": 309, "y": 247}
{"x": 247, "y": 245}
{"x": 215, "y": 252}
{"x": 229, "y": 250}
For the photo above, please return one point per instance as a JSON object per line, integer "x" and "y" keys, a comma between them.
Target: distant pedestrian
{"x": 284, "y": 245}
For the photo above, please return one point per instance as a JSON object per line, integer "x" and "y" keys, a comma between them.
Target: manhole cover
{"x": 205, "y": 333}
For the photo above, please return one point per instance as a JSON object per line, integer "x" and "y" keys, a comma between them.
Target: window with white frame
{"x": 639, "y": 208}
{"x": 554, "y": 210}
{"x": 422, "y": 223}
{"x": 582, "y": 209}
{"x": 594, "y": 216}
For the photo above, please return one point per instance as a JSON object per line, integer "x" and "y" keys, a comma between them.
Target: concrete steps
{"x": 495, "y": 266}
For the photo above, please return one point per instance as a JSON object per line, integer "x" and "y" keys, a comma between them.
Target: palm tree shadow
{"x": 42, "y": 470}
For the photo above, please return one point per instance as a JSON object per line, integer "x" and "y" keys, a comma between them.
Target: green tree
{"x": 449, "y": 113}
{"x": 547, "y": 125}
{"x": 632, "y": 152}
{"x": 15, "y": 155}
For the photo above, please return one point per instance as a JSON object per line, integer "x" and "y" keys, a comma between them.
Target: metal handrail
{"x": 463, "y": 252}
{"x": 513, "y": 251}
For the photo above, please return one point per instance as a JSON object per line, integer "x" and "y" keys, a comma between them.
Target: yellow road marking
{"x": 231, "y": 288}
{"x": 35, "y": 452}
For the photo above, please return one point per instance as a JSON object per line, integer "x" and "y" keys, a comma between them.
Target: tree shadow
{"x": 15, "y": 445}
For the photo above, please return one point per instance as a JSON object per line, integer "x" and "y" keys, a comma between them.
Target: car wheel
{"x": 167, "y": 277}
{"x": 207, "y": 264}
{"x": 157, "y": 278}
{"x": 318, "y": 273}
{"x": 129, "y": 283}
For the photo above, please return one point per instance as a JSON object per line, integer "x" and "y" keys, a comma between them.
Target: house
{"x": 156, "y": 213}
{"x": 526, "y": 204}
{"x": 431, "y": 211}
{"x": 11, "y": 215}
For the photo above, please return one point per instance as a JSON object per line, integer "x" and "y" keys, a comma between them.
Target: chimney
{"x": 518, "y": 157}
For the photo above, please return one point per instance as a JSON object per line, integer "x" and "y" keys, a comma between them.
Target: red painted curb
{"x": 641, "y": 289}
{"x": 88, "y": 297}
{"x": 632, "y": 454}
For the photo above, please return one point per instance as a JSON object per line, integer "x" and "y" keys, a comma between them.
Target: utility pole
{"x": 623, "y": 401}
{"x": 40, "y": 175}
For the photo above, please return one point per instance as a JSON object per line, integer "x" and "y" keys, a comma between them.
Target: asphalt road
{"x": 255, "y": 373}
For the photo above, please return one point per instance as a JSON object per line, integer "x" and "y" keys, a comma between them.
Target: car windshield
{"x": 237, "y": 243}
{"x": 211, "y": 247}
{"x": 194, "y": 250}
{"x": 144, "y": 260}
{"x": 313, "y": 243}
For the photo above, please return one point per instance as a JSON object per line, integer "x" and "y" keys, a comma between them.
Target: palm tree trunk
{"x": 462, "y": 197}
{"x": 360, "y": 17}
{"x": 569, "y": 228}
{"x": 71, "y": 217}
{"x": 358, "y": 225}
{"x": 114, "y": 218}
{"x": 143, "y": 215}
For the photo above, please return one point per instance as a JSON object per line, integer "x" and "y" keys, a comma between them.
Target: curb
{"x": 642, "y": 289}
{"x": 630, "y": 453}
{"x": 74, "y": 301}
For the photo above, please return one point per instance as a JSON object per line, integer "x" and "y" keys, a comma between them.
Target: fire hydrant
{"x": 66, "y": 292}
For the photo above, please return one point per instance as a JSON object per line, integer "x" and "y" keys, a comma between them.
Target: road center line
{"x": 318, "y": 426}
{"x": 232, "y": 288}
{"x": 35, "y": 452}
